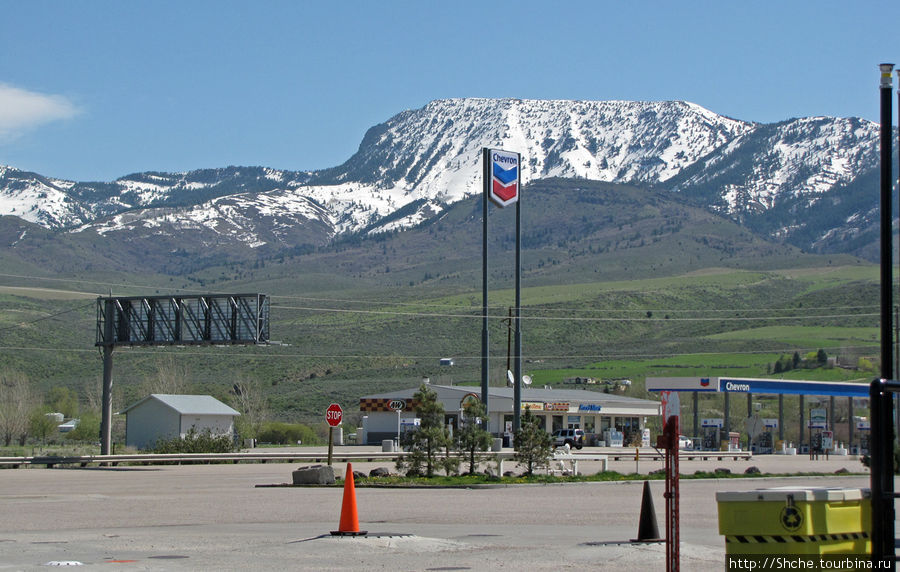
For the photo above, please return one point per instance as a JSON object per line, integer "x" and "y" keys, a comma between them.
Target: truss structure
{"x": 183, "y": 320}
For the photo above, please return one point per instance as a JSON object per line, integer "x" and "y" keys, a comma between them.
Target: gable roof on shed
{"x": 188, "y": 404}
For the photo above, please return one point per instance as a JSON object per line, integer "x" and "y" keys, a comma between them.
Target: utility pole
{"x": 108, "y": 309}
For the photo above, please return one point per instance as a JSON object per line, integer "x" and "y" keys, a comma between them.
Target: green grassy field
{"x": 338, "y": 346}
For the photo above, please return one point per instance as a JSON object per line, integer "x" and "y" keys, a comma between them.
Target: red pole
{"x": 672, "y": 515}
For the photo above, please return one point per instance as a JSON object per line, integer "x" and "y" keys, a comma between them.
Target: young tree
{"x": 472, "y": 436}
{"x": 40, "y": 425}
{"x": 63, "y": 400}
{"x": 16, "y": 400}
{"x": 170, "y": 378}
{"x": 88, "y": 428}
{"x": 253, "y": 405}
{"x": 532, "y": 443}
{"x": 426, "y": 442}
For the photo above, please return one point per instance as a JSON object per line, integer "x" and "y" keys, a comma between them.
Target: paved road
{"x": 206, "y": 517}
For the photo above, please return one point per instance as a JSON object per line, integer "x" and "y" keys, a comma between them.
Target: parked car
{"x": 572, "y": 437}
{"x": 685, "y": 442}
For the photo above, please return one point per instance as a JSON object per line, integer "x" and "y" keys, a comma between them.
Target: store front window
{"x": 557, "y": 423}
{"x": 605, "y": 423}
{"x": 630, "y": 427}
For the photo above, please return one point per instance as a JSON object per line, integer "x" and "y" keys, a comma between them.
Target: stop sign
{"x": 334, "y": 414}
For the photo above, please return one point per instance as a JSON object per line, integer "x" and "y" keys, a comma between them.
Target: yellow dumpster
{"x": 796, "y": 520}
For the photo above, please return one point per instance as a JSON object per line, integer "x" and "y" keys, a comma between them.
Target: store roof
{"x": 528, "y": 394}
{"x": 189, "y": 404}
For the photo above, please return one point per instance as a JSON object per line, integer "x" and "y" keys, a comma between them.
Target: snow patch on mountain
{"x": 36, "y": 199}
{"x": 800, "y": 158}
{"x": 243, "y": 218}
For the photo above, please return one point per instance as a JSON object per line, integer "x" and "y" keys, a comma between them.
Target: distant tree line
{"x": 811, "y": 360}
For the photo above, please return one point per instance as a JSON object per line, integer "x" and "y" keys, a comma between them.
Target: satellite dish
{"x": 526, "y": 379}
{"x": 510, "y": 378}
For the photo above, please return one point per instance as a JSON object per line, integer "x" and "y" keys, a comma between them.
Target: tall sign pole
{"x": 502, "y": 185}
{"x": 517, "y": 391}
{"x": 486, "y": 178}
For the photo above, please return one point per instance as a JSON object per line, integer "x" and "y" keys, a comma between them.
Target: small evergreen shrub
{"x": 194, "y": 442}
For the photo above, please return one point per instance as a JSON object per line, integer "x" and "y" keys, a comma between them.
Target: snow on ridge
{"x": 238, "y": 217}
{"x": 34, "y": 201}
{"x": 808, "y": 157}
{"x": 619, "y": 141}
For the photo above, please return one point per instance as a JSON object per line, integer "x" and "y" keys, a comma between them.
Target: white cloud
{"x": 21, "y": 110}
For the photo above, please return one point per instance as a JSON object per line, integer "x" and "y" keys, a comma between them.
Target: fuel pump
{"x": 710, "y": 433}
{"x": 765, "y": 441}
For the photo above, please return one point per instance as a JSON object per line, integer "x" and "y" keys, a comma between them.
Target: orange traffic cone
{"x": 349, "y": 525}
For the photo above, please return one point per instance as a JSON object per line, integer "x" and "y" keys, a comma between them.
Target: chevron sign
{"x": 504, "y": 177}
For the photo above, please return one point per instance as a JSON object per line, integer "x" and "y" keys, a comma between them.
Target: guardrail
{"x": 192, "y": 458}
{"x": 201, "y": 458}
{"x": 642, "y": 455}
{"x": 320, "y": 457}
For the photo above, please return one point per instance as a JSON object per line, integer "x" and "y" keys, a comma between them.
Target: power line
{"x": 527, "y": 318}
{"x": 599, "y": 357}
{"x": 104, "y": 284}
{"x": 544, "y": 309}
{"x": 49, "y": 317}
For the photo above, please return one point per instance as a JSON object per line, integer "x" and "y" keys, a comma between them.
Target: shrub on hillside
{"x": 194, "y": 442}
{"x": 88, "y": 428}
{"x": 279, "y": 433}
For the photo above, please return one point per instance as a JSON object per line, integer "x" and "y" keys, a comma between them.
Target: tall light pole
{"x": 882, "y": 441}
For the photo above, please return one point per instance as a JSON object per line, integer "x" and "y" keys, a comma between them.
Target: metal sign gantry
{"x": 213, "y": 319}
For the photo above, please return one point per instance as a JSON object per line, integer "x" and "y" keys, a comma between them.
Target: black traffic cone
{"x": 648, "y": 531}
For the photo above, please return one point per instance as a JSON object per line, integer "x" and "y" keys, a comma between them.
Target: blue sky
{"x": 95, "y": 90}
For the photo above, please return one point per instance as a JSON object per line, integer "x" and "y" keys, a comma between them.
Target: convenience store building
{"x": 600, "y": 415}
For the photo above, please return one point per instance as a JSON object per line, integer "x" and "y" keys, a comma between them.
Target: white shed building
{"x": 160, "y": 416}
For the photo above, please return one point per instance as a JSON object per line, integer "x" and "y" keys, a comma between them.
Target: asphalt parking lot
{"x": 226, "y": 517}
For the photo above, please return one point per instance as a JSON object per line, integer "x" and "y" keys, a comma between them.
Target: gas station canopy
{"x": 753, "y": 385}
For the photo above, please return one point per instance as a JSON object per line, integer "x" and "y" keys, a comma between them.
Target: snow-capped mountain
{"x": 434, "y": 152}
{"x": 800, "y": 158}
{"x": 418, "y": 162}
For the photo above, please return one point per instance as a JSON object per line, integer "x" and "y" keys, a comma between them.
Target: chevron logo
{"x": 504, "y": 188}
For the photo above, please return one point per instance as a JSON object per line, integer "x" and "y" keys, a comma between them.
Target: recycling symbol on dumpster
{"x": 791, "y": 518}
